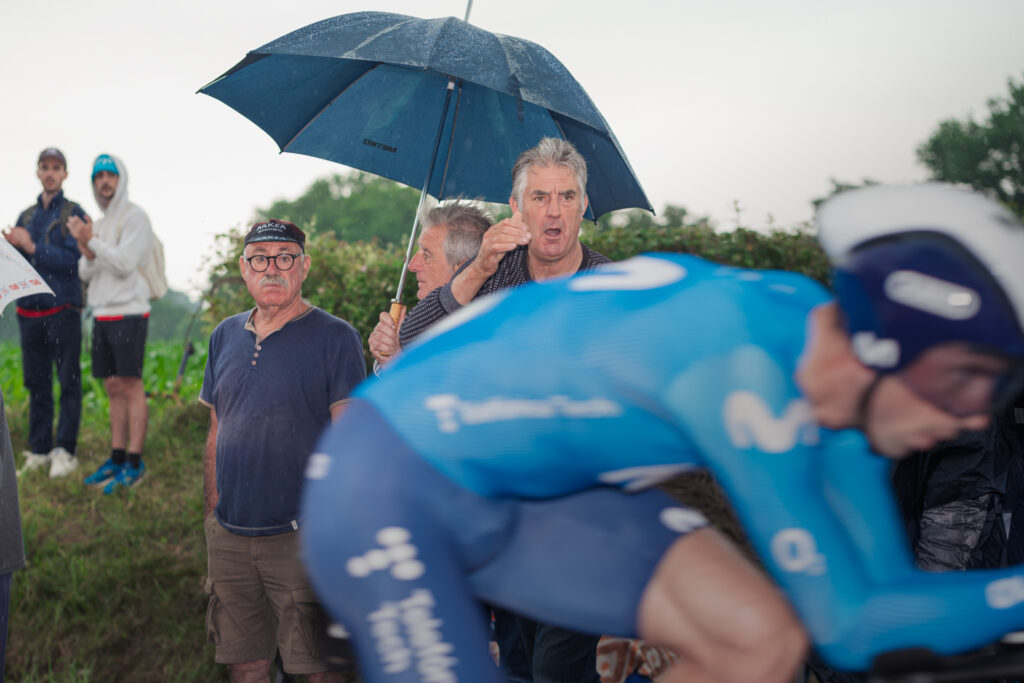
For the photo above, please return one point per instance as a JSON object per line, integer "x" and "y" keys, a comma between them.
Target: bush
{"x": 796, "y": 251}
{"x": 357, "y": 280}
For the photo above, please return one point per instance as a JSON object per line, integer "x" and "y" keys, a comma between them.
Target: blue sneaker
{"x": 126, "y": 477}
{"x": 105, "y": 473}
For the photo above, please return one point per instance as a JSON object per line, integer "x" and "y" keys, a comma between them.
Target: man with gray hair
{"x": 539, "y": 241}
{"x": 450, "y": 237}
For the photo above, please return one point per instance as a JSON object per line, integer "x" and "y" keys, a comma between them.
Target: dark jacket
{"x": 954, "y": 498}
{"x": 56, "y": 257}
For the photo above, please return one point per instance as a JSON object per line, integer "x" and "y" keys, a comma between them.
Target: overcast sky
{"x": 712, "y": 100}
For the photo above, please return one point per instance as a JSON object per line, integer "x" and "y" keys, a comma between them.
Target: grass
{"x": 113, "y": 590}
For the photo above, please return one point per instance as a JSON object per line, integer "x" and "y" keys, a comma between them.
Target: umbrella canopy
{"x": 411, "y": 99}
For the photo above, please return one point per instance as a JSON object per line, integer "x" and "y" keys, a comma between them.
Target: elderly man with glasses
{"x": 275, "y": 377}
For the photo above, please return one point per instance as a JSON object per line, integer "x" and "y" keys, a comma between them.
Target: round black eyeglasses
{"x": 260, "y": 262}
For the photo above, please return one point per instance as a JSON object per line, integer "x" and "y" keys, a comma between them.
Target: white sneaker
{"x": 33, "y": 461}
{"x": 62, "y": 463}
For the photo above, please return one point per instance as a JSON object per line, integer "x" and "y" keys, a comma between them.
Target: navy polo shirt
{"x": 273, "y": 397}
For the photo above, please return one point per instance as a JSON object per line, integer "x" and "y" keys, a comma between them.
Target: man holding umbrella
{"x": 450, "y": 237}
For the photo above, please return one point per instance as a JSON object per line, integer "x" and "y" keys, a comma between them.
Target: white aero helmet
{"x": 921, "y": 265}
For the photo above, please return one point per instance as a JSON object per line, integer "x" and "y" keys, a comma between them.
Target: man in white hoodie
{"x": 112, "y": 252}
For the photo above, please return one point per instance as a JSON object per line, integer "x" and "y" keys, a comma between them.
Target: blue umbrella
{"x": 437, "y": 104}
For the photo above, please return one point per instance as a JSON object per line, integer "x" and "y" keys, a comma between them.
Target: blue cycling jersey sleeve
{"x": 817, "y": 506}
{"x": 644, "y": 368}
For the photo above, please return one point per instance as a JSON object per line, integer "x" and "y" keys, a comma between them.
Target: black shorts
{"x": 119, "y": 346}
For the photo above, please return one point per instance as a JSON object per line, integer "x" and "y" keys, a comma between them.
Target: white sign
{"x": 17, "y": 277}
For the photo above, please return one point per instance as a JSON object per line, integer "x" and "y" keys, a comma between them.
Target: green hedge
{"x": 780, "y": 250}
{"x": 356, "y": 281}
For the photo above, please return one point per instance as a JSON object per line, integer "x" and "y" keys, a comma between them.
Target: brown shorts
{"x": 261, "y": 601}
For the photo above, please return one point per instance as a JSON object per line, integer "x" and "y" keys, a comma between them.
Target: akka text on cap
{"x": 274, "y": 230}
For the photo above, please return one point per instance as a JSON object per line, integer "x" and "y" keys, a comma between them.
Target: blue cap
{"x": 104, "y": 162}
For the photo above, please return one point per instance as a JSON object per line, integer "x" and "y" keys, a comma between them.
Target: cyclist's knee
{"x": 711, "y": 605}
{"x": 773, "y": 655}
{"x": 765, "y": 643}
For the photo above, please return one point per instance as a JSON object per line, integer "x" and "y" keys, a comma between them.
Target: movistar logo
{"x": 453, "y": 412}
{"x": 751, "y": 423}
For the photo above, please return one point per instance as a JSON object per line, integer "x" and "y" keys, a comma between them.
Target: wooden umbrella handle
{"x": 397, "y": 311}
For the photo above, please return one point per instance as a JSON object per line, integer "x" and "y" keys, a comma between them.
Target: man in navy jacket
{"x": 50, "y": 325}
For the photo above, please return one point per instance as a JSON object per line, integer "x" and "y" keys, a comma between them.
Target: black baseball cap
{"x": 274, "y": 230}
{"x": 53, "y": 153}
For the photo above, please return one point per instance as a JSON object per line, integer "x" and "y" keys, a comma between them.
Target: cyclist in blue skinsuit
{"x": 508, "y": 457}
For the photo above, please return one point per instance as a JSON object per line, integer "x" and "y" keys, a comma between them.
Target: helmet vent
{"x": 932, "y": 295}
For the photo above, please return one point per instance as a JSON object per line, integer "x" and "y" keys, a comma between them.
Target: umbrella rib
{"x": 311, "y": 121}
{"x": 371, "y": 39}
{"x": 451, "y": 143}
{"x": 559, "y": 127}
{"x": 426, "y": 187}
{"x": 513, "y": 76}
